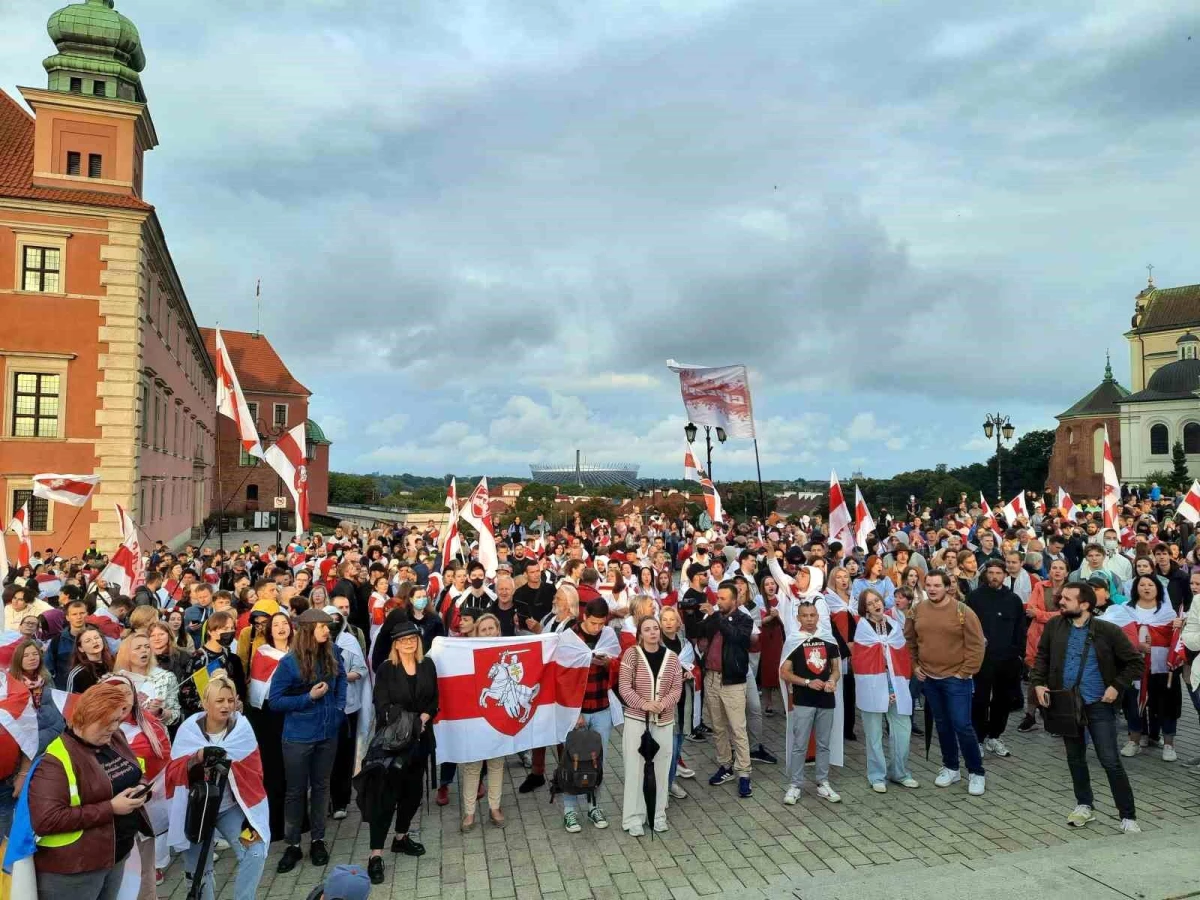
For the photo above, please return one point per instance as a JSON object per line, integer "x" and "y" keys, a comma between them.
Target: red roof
{"x": 16, "y": 165}
{"x": 259, "y": 368}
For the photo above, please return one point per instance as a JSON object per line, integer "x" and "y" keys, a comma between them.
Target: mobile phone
{"x": 142, "y": 790}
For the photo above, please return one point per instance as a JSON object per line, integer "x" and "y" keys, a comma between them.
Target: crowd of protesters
{"x": 698, "y": 631}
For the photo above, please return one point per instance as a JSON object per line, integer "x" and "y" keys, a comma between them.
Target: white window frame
{"x": 54, "y": 241}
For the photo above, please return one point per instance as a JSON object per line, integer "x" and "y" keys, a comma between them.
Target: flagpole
{"x": 62, "y": 544}
{"x": 217, "y": 453}
{"x": 762, "y": 503}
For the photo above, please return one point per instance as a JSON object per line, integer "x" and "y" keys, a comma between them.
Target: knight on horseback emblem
{"x": 506, "y": 688}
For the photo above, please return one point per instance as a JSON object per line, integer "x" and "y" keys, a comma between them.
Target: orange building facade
{"x": 102, "y": 363}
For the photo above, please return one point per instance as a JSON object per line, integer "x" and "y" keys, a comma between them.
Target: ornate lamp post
{"x": 1001, "y": 427}
{"x": 690, "y": 430}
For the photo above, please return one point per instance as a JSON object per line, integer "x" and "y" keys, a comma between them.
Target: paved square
{"x": 720, "y": 845}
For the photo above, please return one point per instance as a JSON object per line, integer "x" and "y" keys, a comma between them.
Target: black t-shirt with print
{"x": 813, "y": 659}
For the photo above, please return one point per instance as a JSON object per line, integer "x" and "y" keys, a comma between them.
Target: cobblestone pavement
{"x": 756, "y": 847}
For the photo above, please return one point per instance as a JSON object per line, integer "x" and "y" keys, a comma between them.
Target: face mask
{"x": 226, "y": 639}
{"x": 420, "y": 603}
{"x": 477, "y": 583}
{"x": 336, "y": 628}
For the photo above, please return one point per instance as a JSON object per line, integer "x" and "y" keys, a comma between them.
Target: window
{"x": 253, "y": 407}
{"x": 98, "y": 88}
{"x": 72, "y": 162}
{"x": 41, "y": 268}
{"x": 1098, "y": 450}
{"x": 95, "y": 165}
{"x": 252, "y": 492}
{"x": 35, "y": 405}
{"x": 76, "y": 85}
{"x": 1159, "y": 441}
{"x": 245, "y": 459}
{"x": 154, "y": 434}
{"x": 145, "y": 414}
{"x": 39, "y": 509}
{"x": 162, "y": 496}
{"x": 281, "y": 415}
{"x": 1191, "y": 438}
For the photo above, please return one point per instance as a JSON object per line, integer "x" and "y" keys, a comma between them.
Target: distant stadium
{"x": 582, "y": 475}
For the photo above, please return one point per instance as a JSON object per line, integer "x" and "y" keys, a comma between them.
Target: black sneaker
{"x": 407, "y": 846}
{"x": 375, "y": 869}
{"x": 1027, "y": 724}
{"x": 532, "y": 782}
{"x": 291, "y": 856}
{"x": 705, "y": 729}
{"x": 696, "y": 737}
{"x": 763, "y": 755}
{"x": 318, "y": 854}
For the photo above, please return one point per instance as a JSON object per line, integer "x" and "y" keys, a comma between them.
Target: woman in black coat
{"x": 405, "y": 682}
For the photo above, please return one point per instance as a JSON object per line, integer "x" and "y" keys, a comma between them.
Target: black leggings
{"x": 403, "y": 794}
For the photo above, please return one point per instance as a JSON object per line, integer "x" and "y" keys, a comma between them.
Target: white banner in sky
{"x": 717, "y": 396}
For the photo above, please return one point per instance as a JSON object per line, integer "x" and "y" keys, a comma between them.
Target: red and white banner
{"x": 840, "y": 528}
{"x": 8, "y": 646}
{"x": 691, "y": 471}
{"x": 245, "y": 775}
{"x": 73, "y": 490}
{"x": 1066, "y": 504}
{"x": 288, "y": 456}
{"x": 20, "y": 527}
{"x": 875, "y": 657}
{"x": 1014, "y": 508}
{"x": 712, "y": 500}
{"x": 231, "y": 402}
{"x": 505, "y": 695}
{"x": 988, "y": 518}
{"x": 126, "y": 571}
{"x": 718, "y": 396}
{"x": 477, "y": 513}
{"x": 863, "y": 523}
{"x": 18, "y": 724}
{"x": 1112, "y": 487}
{"x": 262, "y": 670}
{"x": 1190, "y": 507}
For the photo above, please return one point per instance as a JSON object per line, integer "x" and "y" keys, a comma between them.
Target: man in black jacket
{"x": 1002, "y": 616}
{"x": 1079, "y": 650}
{"x": 726, "y": 662}
{"x": 1174, "y": 579}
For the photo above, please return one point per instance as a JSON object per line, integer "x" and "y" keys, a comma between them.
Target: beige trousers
{"x": 495, "y": 783}
{"x": 725, "y": 708}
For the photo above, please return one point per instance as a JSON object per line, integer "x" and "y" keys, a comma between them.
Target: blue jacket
{"x": 306, "y": 720}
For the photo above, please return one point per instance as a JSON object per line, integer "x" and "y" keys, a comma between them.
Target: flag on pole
{"x": 20, "y": 527}
{"x": 288, "y": 456}
{"x": 712, "y": 500}
{"x": 1112, "y": 487}
{"x": 1190, "y": 507}
{"x": 840, "y": 528}
{"x": 1066, "y": 504}
{"x": 73, "y": 490}
{"x": 506, "y": 695}
{"x": 718, "y": 396}
{"x": 231, "y": 402}
{"x": 476, "y": 512}
{"x": 988, "y": 518}
{"x": 126, "y": 571}
{"x": 1014, "y": 508}
{"x": 449, "y": 548}
{"x": 863, "y": 523}
{"x": 691, "y": 471}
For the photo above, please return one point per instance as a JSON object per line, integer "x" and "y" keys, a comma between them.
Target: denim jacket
{"x": 307, "y": 721}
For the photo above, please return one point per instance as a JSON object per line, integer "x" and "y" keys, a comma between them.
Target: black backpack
{"x": 580, "y": 765}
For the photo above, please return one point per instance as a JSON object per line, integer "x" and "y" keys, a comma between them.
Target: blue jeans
{"x": 899, "y": 733}
{"x": 1102, "y": 726}
{"x": 602, "y": 723}
{"x": 250, "y": 860}
{"x": 678, "y": 743}
{"x": 949, "y": 700}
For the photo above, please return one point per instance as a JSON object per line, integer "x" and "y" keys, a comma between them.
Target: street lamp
{"x": 690, "y": 430}
{"x": 1002, "y": 428}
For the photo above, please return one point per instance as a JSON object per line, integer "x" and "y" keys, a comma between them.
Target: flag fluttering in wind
{"x": 1112, "y": 487}
{"x": 988, "y": 518}
{"x": 20, "y": 527}
{"x": 449, "y": 548}
{"x": 691, "y": 471}
{"x": 476, "y": 512}
{"x": 1190, "y": 507}
{"x": 1014, "y": 508}
{"x": 289, "y": 458}
{"x": 1066, "y": 504}
{"x": 231, "y": 402}
{"x": 840, "y": 526}
{"x": 126, "y": 571}
{"x": 718, "y": 396}
{"x": 863, "y": 523}
{"x": 712, "y": 500}
{"x": 73, "y": 490}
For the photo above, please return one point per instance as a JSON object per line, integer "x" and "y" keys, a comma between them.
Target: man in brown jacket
{"x": 946, "y": 642}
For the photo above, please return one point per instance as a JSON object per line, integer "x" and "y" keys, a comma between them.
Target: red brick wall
{"x": 1071, "y": 463}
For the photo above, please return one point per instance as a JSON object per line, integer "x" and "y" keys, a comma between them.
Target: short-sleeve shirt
{"x": 813, "y": 659}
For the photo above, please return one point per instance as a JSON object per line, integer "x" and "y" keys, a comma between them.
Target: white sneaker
{"x": 879, "y": 787}
{"x": 685, "y": 772}
{"x": 792, "y": 795}
{"x": 1131, "y": 748}
{"x": 1080, "y": 816}
{"x": 1169, "y": 754}
{"x": 826, "y": 792}
{"x": 678, "y": 792}
{"x": 996, "y": 746}
{"x": 909, "y": 782}
{"x": 947, "y": 777}
{"x": 635, "y": 830}
{"x": 1130, "y": 826}
{"x": 221, "y": 844}
{"x": 975, "y": 785}
{"x": 660, "y": 827}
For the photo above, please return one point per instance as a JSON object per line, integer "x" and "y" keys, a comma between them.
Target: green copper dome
{"x": 99, "y": 52}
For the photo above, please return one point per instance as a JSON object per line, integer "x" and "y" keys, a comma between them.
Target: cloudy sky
{"x": 483, "y": 225}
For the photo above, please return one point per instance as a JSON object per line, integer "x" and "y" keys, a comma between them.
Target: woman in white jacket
{"x": 1191, "y": 640}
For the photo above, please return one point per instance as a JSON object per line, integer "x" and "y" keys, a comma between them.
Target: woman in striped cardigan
{"x": 650, "y": 682}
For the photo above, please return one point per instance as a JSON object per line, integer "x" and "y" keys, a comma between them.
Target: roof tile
{"x": 1175, "y": 307}
{"x": 259, "y": 368}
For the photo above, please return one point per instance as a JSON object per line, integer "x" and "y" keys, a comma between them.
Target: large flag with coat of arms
{"x": 504, "y": 695}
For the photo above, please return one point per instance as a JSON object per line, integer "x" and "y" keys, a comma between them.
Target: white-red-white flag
{"x": 262, "y": 670}
{"x": 691, "y": 471}
{"x": 840, "y": 525}
{"x": 1190, "y": 507}
{"x": 126, "y": 570}
{"x": 1066, "y": 504}
{"x": 1014, "y": 508}
{"x": 73, "y": 490}
{"x": 289, "y": 458}
{"x": 863, "y": 523}
{"x": 20, "y": 527}
{"x": 989, "y": 520}
{"x": 231, "y": 402}
{"x": 505, "y": 695}
{"x": 477, "y": 513}
{"x": 718, "y": 396}
{"x": 1112, "y": 487}
{"x": 712, "y": 500}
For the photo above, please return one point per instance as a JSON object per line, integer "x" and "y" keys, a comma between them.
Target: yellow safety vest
{"x": 58, "y": 750}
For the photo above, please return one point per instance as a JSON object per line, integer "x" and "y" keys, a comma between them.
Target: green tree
{"x": 347, "y": 488}
{"x": 1180, "y": 479}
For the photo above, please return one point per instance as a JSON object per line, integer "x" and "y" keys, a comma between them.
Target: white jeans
{"x": 633, "y": 807}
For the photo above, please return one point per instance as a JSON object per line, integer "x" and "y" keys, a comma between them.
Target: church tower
{"x": 92, "y": 124}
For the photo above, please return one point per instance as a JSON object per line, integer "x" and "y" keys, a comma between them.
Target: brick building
{"x": 101, "y": 362}
{"x": 277, "y": 401}
{"x": 1076, "y": 464}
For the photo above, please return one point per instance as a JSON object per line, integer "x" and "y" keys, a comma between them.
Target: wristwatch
{"x": 807, "y": 682}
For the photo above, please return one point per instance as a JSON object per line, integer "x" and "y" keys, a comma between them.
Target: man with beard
{"x": 1079, "y": 651}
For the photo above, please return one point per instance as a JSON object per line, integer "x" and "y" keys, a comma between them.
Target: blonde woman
{"x": 142, "y": 618}
{"x": 674, "y": 639}
{"x": 157, "y": 687}
{"x": 486, "y": 626}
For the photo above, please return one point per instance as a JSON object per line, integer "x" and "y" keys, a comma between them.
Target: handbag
{"x": 1066, "y": 715}
{"x": 398, "y": 736}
